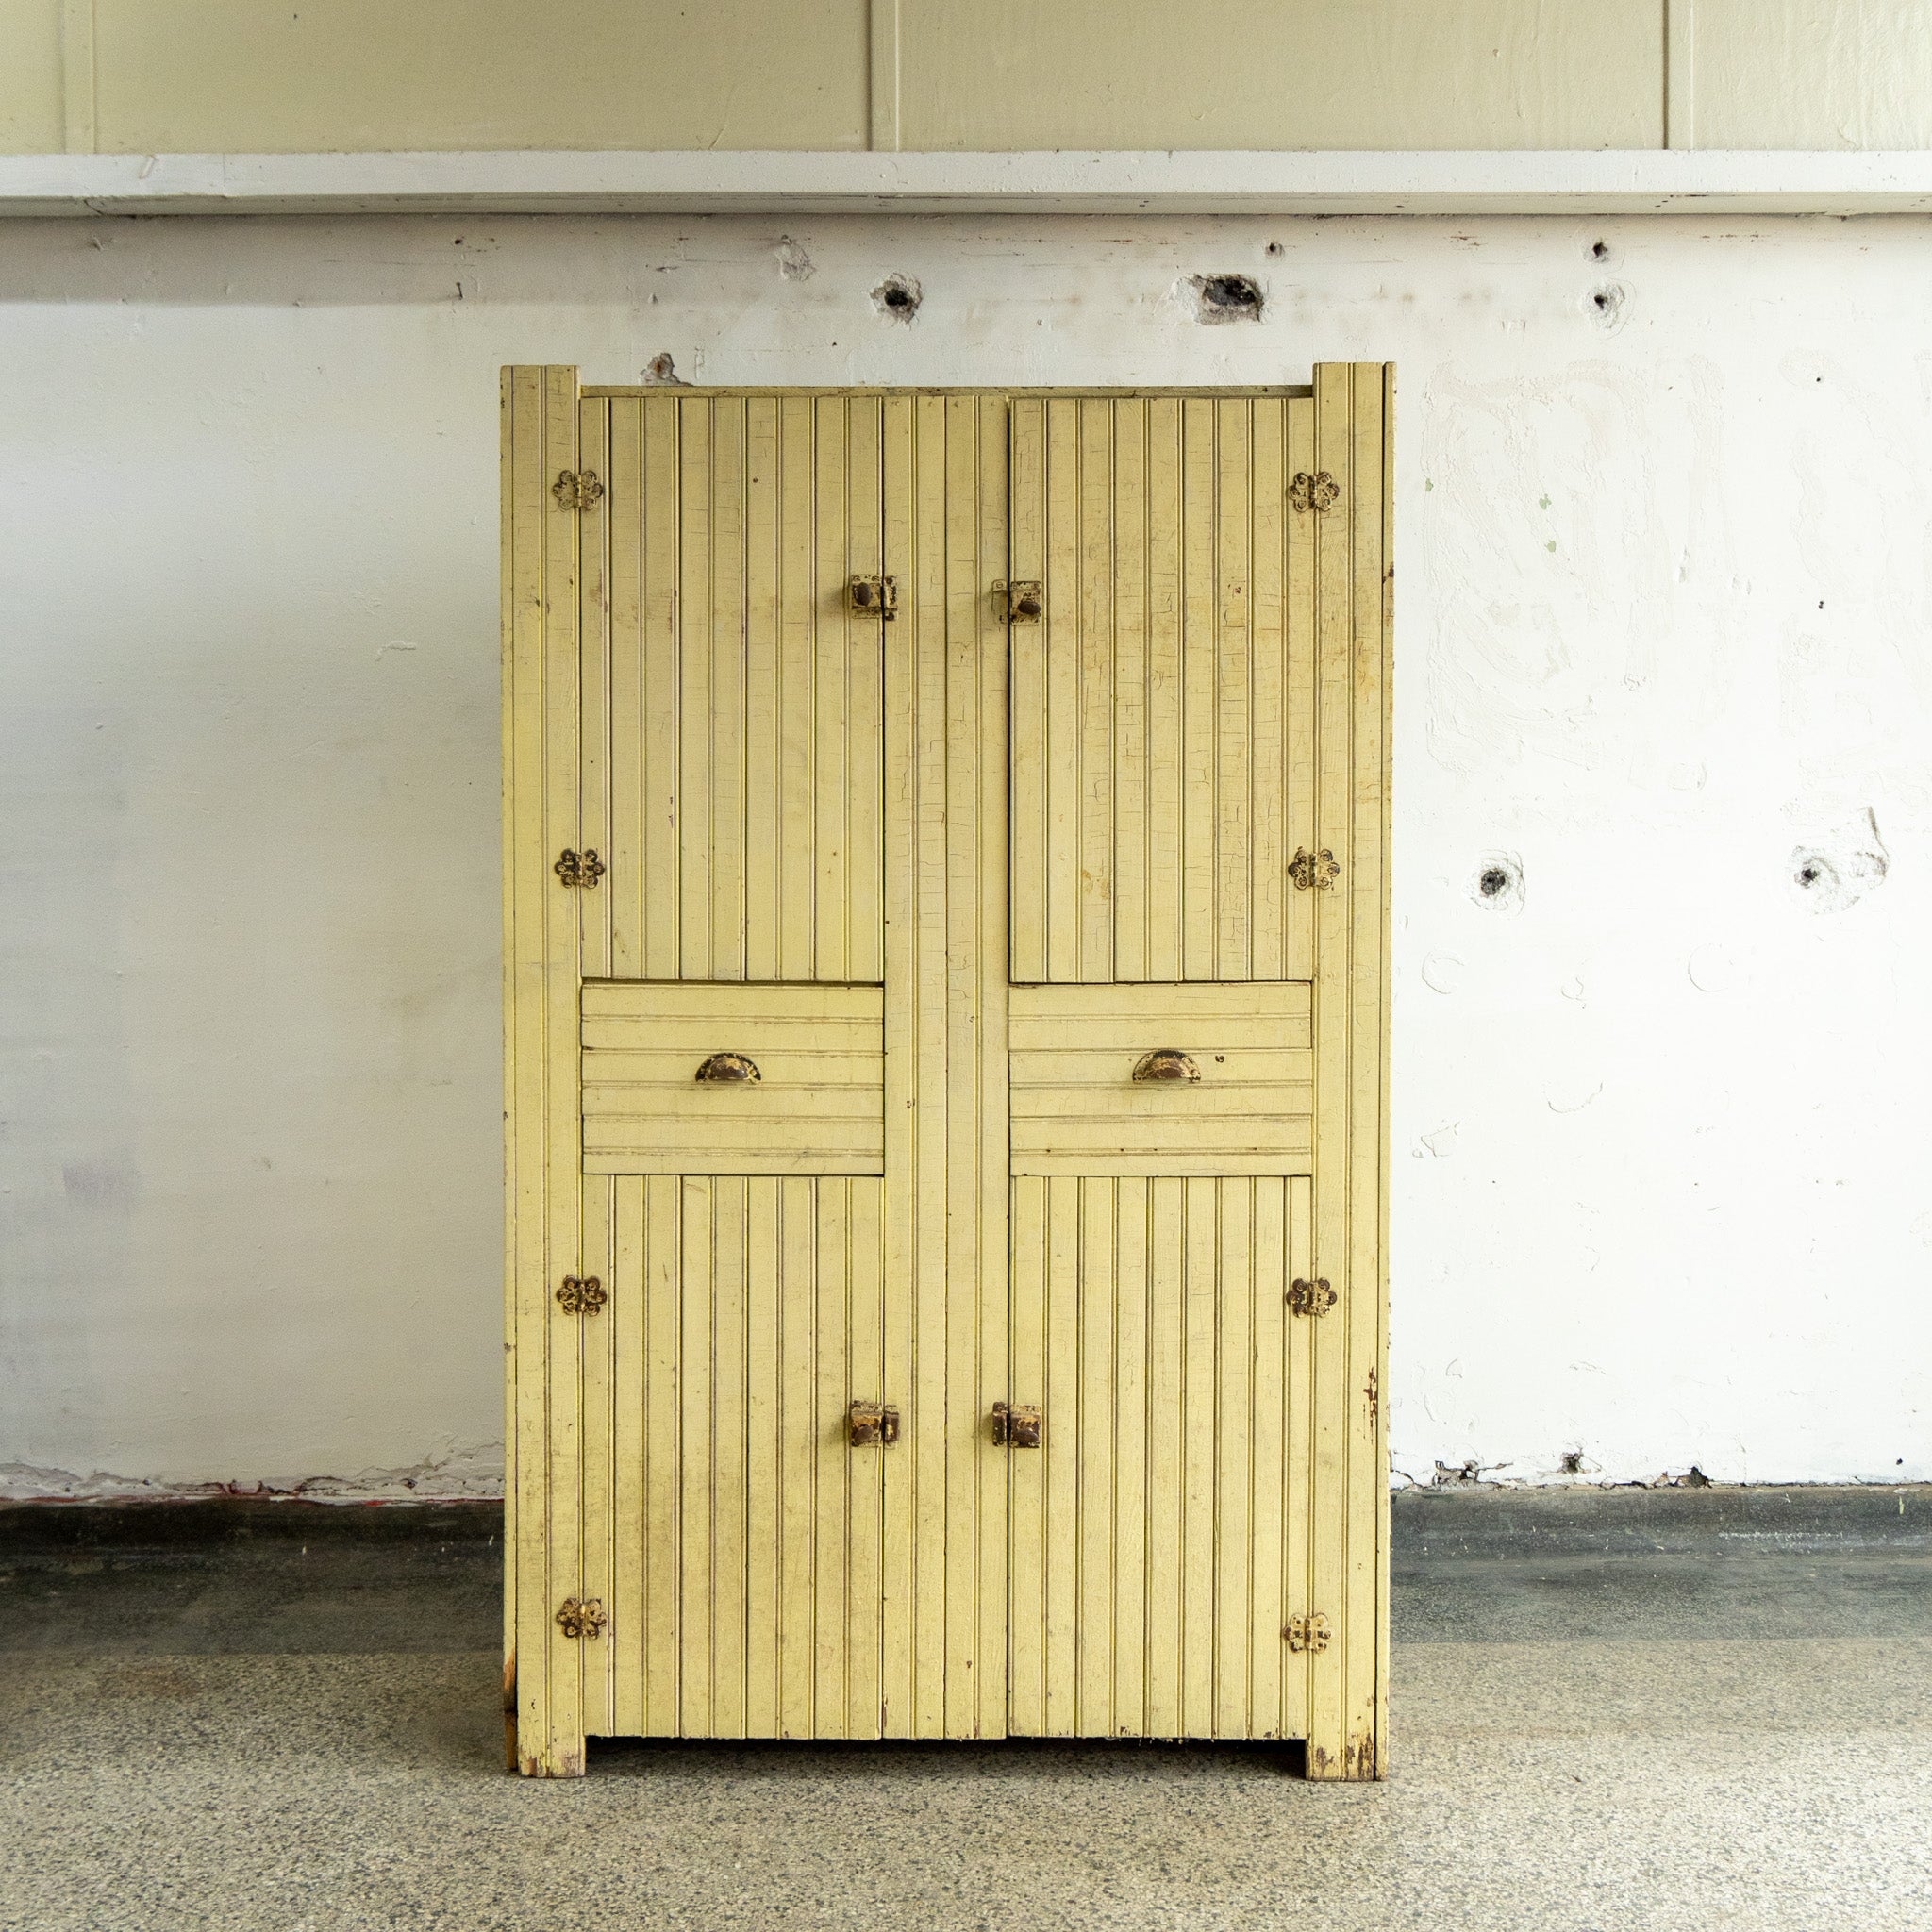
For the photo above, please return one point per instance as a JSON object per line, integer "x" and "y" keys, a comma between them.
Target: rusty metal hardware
{"x": 1166, "y": 1063}
{"x": 581, "y": 1294}
{"x": 577, "y": 489}
{"x": 584, "y": 1619}
{"x": 874, "y": 1421}
{"x": 729, "y": 1066}
{"x": 1021, "y": 601}
{"x": 1307, "y": 1633}
{"x": 1308, "y": 868}
{"x": 876, "y": 596}
{"x": 1308, "y": 492}
{"x": 1311, "y": 1297}
{"x": 579, "y": 868}
{"x": 1016, "y": 1426}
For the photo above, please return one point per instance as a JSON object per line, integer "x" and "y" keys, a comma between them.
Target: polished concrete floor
{"x": 1625, "y": 1709}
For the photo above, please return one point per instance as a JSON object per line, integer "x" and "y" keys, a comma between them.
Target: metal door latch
{"x": 584, "y": 1619}
{"x": 581, "y": 1294}
{"x": 874, "y": 1421}
{"x": 1021, "y": 601}
{"x": 1307, "y": 1633}
{"x": 877, "y": 597}
{"x": 1317, "y": 869}
{"x": 577, "y": 489}
{"x": 1311, "y": 1297}
{"x": 1015, "y": 1426}
{"x": 579, "y": 868}
{"x": 1318, "y": 491}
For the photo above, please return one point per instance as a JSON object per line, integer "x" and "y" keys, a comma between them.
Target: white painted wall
{"x": 1664, "y": 614}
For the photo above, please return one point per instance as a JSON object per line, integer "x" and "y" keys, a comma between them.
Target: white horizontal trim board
{"x": 1621, "y": 181}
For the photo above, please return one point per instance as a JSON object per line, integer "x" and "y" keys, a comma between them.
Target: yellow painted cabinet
{"x": 945, "y": 910}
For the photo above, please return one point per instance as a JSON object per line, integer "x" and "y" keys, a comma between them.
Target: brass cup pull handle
{"x": 729, "y": 1066}
{"x": 1166, "y": 1063}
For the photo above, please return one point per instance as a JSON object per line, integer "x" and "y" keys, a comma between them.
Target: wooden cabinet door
{"x": 792, "y": 815}
{"x": 1179, "y": 1548}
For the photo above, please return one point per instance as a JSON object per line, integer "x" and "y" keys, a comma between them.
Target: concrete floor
{"x": 1624, "y": 1708}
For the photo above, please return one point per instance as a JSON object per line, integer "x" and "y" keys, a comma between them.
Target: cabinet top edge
{"x": 1226, "y": 392}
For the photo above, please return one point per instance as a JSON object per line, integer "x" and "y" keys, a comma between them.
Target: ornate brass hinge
{"x": 874, "y": 1421}
{"x": 1015, "y": 1425}
{"x": 584, "y": 1619}
{"x": 1319, "y": 870}
{"x": 1308, "y": 492}
{"x": 1311, "y": 1297}
{"x": 577, "y": 489}
{"x": 1019, "y": 602}
{"x": 579, "y": 868}
{"x": 876, "y": 596}
{"x": 581, "y": 1294}
{"x": 1307, "y": 1633}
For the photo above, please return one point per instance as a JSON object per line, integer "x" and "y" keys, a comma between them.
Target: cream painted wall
{"x": 234, "y": 75}
{"x": 1810, "y": 74}
{"x": 1255, "y": 74}
{"x": 1664, "y": 591}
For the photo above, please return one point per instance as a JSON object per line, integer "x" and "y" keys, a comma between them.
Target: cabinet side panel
{"x": 540, "y": 943}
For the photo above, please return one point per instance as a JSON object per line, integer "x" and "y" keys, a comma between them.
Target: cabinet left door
{"x": 695, "y": 893}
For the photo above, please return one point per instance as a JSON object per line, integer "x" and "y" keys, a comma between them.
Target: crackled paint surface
{"x": 1664, "y": 597}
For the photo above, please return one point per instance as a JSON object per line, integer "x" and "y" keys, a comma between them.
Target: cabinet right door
{"x": 1190, "y": 1309}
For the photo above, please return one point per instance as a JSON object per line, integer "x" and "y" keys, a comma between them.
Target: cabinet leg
{"x": 1355, "y": 1759}
{"x": 533, "y": 1745}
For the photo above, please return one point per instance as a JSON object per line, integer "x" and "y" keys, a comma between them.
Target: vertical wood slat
{"x": 1131, "y": 658}
{"x": 598, "y": 1256}
{"x": 926, "y": 1426}
{"x": 974, "y": 964}
{"x": 1093, "y": 653}
{"x": 708, "y": 576}
{"x": 1149, "y": 1532}
{"x": 595, "y": 776}
{"x": 863, "y": 1608}
{"x": 980, "y": 1035}
{"x": 761, "y": 795}
{"x": 1060, "y": 1454}
{"x": 1349, "y": 1479}
{"x": 1270, "y": 657}
{"x": 1164, "y": 785}
{"x": 800, "y": 832}
{"x": 628, "y": 568}
{"x": 1155, "y": 705}
{"x": 1062, "y": 626}
{"x": 1026, "y": 661}
{"x": 908, "y": 1088}
{"x": 1364, "y": 1603}
{"x": 1166, "y": 1515}
{"x": 1232, "y": 719}
{"x": 542, "y": 808}
{"x": 1196, "y": 676}
{"x": 728, "y": 858}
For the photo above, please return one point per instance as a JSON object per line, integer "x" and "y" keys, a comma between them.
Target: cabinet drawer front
{"x": 816, "y": 1107}
{"x": 1077, "y": 1108}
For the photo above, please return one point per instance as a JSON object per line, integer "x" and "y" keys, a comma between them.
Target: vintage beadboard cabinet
{"x": 946, "y": 901}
